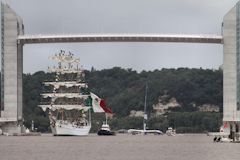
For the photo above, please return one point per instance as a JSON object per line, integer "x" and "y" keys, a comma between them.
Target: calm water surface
{"x": 120, "y": 147}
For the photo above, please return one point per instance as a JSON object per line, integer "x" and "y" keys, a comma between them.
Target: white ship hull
{"x": 70, "y": 130}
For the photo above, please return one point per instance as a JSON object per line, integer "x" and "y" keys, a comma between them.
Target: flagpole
{"x": 145, "y": 110}
{"x": 106, "y": 117}
{"x": 90, "y": 118}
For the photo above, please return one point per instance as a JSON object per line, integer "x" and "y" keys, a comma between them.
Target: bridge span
{"x": 31, "y": 39}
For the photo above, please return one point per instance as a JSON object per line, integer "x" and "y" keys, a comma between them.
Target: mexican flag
{"x": 99, "y": 104}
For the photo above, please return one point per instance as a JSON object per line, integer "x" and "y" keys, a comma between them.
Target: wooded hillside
{"x": 124, "y": 90}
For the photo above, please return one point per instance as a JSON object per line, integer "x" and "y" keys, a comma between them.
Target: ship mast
{"x": 145, "y": 110}
{"x": 69, "y": 65}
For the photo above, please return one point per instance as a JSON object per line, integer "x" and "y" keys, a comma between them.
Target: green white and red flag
{"x": 99, "y": 104}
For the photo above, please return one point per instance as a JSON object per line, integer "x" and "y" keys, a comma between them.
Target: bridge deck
{"x": 30, "y": 39}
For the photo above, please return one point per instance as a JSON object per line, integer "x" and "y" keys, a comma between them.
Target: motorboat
{"x": 105, "y": 130}
{"x": 170, "y": 131}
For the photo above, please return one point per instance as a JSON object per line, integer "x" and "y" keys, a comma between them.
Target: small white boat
{"x": 225, "y": 139}
{"x": 105, "y": 131}
{"x": 144, "y": 132}
{"x": 170, "y": 131}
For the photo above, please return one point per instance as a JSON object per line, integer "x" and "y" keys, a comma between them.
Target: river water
{"x": 120, "y": 147}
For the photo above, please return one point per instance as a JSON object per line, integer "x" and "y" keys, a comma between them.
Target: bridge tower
{"x": 11, "y": 70}
{"x": 231, "y": 70}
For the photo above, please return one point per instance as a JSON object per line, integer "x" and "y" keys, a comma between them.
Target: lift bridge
{"x": 13, "y": 39}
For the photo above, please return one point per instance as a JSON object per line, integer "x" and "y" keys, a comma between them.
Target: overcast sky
{"x": 124, "y": 16}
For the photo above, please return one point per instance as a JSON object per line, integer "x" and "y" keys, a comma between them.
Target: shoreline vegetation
{"x": 123, "y": 91}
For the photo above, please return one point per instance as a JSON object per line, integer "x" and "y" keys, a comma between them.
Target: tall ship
{"x": 66, "y": 98}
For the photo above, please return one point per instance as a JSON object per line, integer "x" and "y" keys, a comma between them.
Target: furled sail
{"x": 66, "y": 107}
{"x": 62, "y": 95}
{"x": 65, "y": 84}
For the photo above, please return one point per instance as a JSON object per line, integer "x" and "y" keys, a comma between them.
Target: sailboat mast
{"x": 106, "y": 118}
{"x": 145, "y": 110}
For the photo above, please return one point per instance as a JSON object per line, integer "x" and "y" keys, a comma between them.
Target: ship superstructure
{"x": 67, "y": 98}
